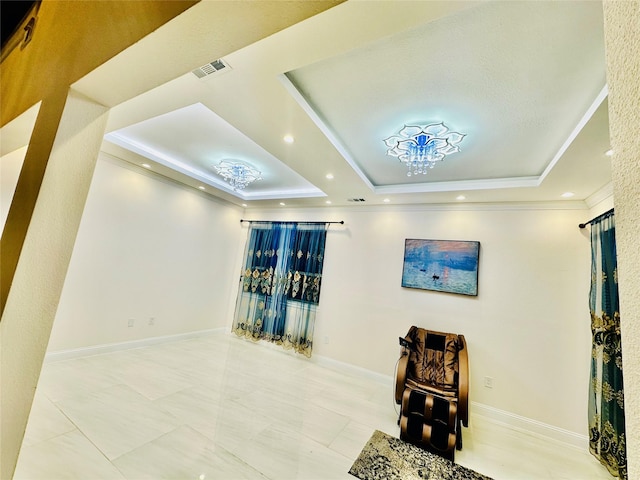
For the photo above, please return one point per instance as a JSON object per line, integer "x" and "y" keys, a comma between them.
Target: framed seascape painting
{"x": 442, "y": 265}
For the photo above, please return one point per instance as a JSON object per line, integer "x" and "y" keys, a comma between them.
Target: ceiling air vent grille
{"x": 211, "y": 68}
{"x": 357, "y": 200}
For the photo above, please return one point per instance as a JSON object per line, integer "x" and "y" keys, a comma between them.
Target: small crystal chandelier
{"x": 237, "y": 174}
{"x": 420, "y": 148}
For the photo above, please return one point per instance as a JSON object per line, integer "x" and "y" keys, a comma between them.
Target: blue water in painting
{"x": 455, "y": 272}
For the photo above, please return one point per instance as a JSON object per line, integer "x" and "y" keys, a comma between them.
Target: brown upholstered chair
{"x": 432, "y": 387}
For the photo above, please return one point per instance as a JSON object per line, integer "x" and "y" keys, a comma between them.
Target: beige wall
{"x": 622, "y": 41}
{"x": 72, "y": 38}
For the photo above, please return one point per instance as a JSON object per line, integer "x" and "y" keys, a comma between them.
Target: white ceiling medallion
{"x": 420, "y": 148}
{"x": 237, "y": 174}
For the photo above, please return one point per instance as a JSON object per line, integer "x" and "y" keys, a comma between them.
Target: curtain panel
{"x": 606, "y": 393}
{"x": 280, "y": 284}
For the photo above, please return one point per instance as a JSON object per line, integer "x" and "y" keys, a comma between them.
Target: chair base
{"x": 430, "y": 422}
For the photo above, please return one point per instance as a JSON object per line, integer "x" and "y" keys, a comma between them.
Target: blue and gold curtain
{"x": 606, "y": 393}
{"x": 280, "y": 284}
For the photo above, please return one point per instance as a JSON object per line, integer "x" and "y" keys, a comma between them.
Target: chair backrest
{"x": 434, "y": 358}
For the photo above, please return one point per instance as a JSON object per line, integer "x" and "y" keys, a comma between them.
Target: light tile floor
{"x": 218, "y": 407}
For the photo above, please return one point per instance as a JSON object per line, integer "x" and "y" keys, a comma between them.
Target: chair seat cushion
{"x": 441, "y": 390}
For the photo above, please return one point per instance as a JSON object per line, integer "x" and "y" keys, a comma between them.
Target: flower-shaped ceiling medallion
{"x": 237, "y": 174}
{"x": 420, "y": 148}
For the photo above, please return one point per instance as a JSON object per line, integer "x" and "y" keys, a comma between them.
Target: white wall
{"x": 528, "y": 328}
{"x": 147, "y": 248}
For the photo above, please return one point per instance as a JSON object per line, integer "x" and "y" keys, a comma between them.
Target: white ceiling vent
{"x": 211, "y": 68}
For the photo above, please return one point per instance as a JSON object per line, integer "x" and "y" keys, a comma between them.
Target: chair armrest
{"x": 401, "y": 375}
{"x": 463, "y": 382}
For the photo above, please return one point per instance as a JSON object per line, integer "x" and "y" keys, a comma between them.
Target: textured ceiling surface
{"x": 194, "y": 140}
{"x": 481, "y": 73}
{"x": 525, "y": 81}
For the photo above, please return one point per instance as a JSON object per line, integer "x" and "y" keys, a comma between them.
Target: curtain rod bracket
{"x": 599, "y": 217}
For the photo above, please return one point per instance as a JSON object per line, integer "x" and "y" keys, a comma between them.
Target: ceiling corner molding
{"x": 300, "y": 193}
{"x": 484, "y": 184}
{"x": 600, "y": 195}
{"x": 166, "y": 161}
{"x": 114, "y": 159}
{"x": 578, "y": 128}
{"x": 491, "y": 206}
{"x": 427, "y": 207}
{"x": 204, "y": 177}
{"x": 324, "y": 128}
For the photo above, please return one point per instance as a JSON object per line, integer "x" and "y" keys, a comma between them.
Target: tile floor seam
{"x": 217, "y": 368}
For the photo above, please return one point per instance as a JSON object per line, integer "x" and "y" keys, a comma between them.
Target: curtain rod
{"x": 341, "y": 222}
{"x": 599, "y": 217}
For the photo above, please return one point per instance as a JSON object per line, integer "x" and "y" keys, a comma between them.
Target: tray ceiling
{"x": 525, "y": 81}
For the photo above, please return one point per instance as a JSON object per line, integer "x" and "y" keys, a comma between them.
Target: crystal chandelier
{"x": 237, "y": 174}
{"x": 420, "y": 148}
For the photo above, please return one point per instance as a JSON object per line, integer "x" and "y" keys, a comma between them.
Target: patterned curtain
{"x": 606, "y": 394}
{"x": 280, "y": 284}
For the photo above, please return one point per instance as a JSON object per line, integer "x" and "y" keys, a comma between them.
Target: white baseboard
{"x": 508, "y": 419}
{"x": 114, "y": 347}
{"x": 352, "y": 369}
{"x": 530, "y": 426}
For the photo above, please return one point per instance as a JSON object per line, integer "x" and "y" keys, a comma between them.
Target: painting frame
{"x": 449, "y": 266}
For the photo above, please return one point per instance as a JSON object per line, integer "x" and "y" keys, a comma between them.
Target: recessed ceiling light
{"x": 146, "y": 165}
{"x": 201, "y": 187}
{"x": 329, "y": 176}
{"x": 461, "y": 197}
{"x": 282, "y": 204}
{"x": 386, "y": 200}
{"x": 567, "y": 195}
{"x": 288, "y": 138}
{"x": 328, "y": 202}
{"x": 244, "y": 204}
{"x": 609, "y": 153}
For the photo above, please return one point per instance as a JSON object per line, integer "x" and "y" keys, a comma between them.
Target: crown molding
{"x": 600, "y": 195}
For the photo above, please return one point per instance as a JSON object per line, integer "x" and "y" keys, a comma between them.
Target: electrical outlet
{"x": 488, "y": 382}
{"x": 152, "y": 320}
{"x": 131, "y": 322}
{"x": 326, "y": 339}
